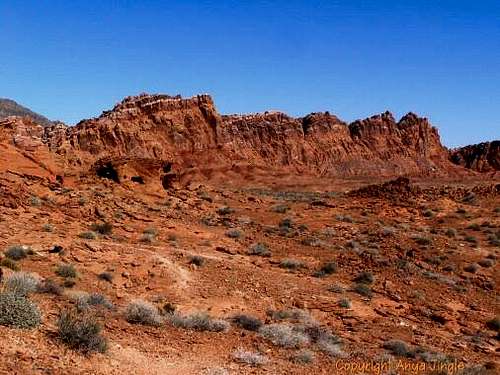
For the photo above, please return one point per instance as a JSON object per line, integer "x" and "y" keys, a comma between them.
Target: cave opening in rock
{"x": 109, "y": 172}
{"x": 137, "y": 179}
{"x": 167, "y": 181}
{"x": 167, "y": 167}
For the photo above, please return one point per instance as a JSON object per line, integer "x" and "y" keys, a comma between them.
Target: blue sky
{"x": 70, "y": 60}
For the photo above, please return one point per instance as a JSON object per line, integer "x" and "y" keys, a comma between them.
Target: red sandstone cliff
{"x": 147, "y": 134}
{"x": 482, "y": 157}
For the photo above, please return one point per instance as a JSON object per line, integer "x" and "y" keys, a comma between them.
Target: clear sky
{"x": 71, "y": 59}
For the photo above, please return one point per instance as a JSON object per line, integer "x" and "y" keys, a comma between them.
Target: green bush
{"x": 81, "y": 332}
{"x": 17, "y": 311}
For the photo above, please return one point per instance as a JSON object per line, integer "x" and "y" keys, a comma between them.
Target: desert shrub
{"x": 197, "y": 260}
{"x": 345, "y": 303}
{"x": 494, "y": 323}
{"x": 88, "y": 235}
{"x": 102, "y": 228}
{"x": 69, "y": 283}
{"x": 250, "y": 358}
{"x": 471, "y": 239}
{"x": 472, "y": 268}
{"x": 9, "y": 263}
{"x": 150, "y": 230}
{"x": 428, "y": 213}
{"x": 198, "y": 321}
{"x": 311, "y": 241}
{"x": 474, "y": 227}
{"x": 172, "y": 237}
{"x": 21, "y": 283}
{"x": 225, "y": 210}
{"x": 286, "y": 223}
{"x": 326, "y": 269}
{"x": 284, "y": 335}
{"x": 49, "y": 286}
{"x": 247, "y": 322}
{"x": 398, "y": 348}
{"x": 387, "y": 231}
{"x": 461, "y": 210}
{"x": 47, "y": 227}
{"x": 84, "y": 301}
{"x": 35, "y": 201}
{"x": 106, "y": 276}
{"x": 364, "y": 278}
{"x": 234, "y": 233}
{"x": 17, "y": 252}
{"x": 280, "y": 208}
{"x": 363, "y": 289}
{"x": 345, "y": 218}
{"x": 451, "y": 232}
{"x": 66, "y": 270}
{"x": 147, "y": 238}
{"x": 335, "y": 288}
{"x": 292, "y": 264}
{"x": 81, "y": 332}
{"x": 142, "y": 312}
{"x": 259, "y": 249}
{"x": 209, "y": 221}
{"x": 17, "y": 311}
{"x": 296, "y": 315}
{"x": 469, "y": 198}
{"x": 486, "y": 263}
{"x": 422, "y": 241}
{"x": 333, "y": 350}
{"x": 303, "y": 357}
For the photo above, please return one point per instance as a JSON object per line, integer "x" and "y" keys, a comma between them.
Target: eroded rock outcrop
{"x": 482, "y": 157}
{"x": 143, "y": 132}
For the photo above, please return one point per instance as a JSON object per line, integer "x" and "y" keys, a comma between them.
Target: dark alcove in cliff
{"x": 108, "y": 171}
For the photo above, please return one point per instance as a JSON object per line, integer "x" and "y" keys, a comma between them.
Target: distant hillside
{"x": 11, "y": 108}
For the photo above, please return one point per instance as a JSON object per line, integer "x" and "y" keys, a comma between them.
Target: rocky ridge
{"x": 190, "y": 135}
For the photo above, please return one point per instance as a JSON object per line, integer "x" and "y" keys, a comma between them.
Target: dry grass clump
{"x": 292, "y": 264}
{"x": 198, "y": 321}
{"x": 250, "y": 358}
{"x": 143, "y": 312}
{"x": 81, "y": 332}
{"x": 66, "y": 271}
{"x": 21, "y": 283}
{"x": 18, "y": 252}
{"x": 247, "y": 322}
{"x": 284, "y": 335}
{"x": 259, "y": 249}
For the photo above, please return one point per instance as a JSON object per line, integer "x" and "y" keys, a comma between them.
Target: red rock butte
{"x": 150, "y": 136}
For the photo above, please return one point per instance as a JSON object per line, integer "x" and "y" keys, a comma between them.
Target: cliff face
{"x": 149, "y": 135}
{"x": 482, "y": 157}
{"x": 375, "y": 146}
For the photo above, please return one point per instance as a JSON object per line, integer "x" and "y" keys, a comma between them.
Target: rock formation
{"x": 482, "y": 157}
{"x": 143, "y": 137}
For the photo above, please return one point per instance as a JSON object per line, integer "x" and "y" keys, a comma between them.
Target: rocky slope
{"x": 9, "y": 107}
{"x": 482, "y": 157}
